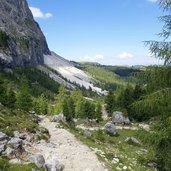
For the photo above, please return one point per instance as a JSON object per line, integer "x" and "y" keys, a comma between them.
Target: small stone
{"x": 132, "y": 140}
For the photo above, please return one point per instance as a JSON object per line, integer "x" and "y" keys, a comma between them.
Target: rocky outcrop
{"x": 21, "y": 39}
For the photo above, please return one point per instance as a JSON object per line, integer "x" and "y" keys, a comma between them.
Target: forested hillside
{"x": 110, "y": 77}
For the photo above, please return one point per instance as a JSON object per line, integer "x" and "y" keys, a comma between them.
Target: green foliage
{"x": 12, "y": 120}
{"x": 6, "y": 166}
{"x": 125, "y": 98}
{"x": 40, "y": 83}
{"x": 106, "y": 78}
{"x": 23, "y": 97}
{"x": 98, "y": 112}
{"x": 69, "y": 109}
{"x": 110, "y": 102}
{"x": 24, "y": 44}
{"x": 2, "y": 91}
{"x": 161, "y": 49}
{"x": 3, "y": 39}
{"x": 40, "y": 105}
{"x": 60, "y": 98}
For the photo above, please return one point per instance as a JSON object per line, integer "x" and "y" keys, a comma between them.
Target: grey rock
{"x": 3, "y": 136}
{"x": 9, "y": 152}
{"x": 132, "y": 140}
{"x": 15, "y": 142}
{"x": 2, "y": 148}
{"x": 38, "y": 160}
{"x": 87, "y": 133}
{"x": 19, "y": 135}
{"x": 54, "y": 166}
{"x": 4, "y": 142}
{"x": 110, "y": 128}
{"x": 26, "y": 43}
{"x": 118, "y": 117}
{"x": 1, "y": 104}
{"x": 58, "y": 118}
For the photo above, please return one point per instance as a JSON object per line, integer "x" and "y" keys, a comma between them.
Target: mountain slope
{"x": 67, "y": 70}
{"x": 21, "y": 39}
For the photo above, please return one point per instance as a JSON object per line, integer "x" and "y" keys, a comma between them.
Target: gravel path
{"x": 67, "y": 149}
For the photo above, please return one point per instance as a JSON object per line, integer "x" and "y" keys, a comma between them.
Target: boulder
{"x": 132, "y": 140}
{"x": 3, "y": 136}
{"x": 38, "y": 160}
{"x": 118, "y": 117}
{"x": 87, "y": 133}
{"x": 110, "y": 128}
{"x": 58, "y": 118}
{"x": 54, "y": 165}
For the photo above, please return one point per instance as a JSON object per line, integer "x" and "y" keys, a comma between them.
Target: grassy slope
{"x": 132, "y": 156}
{"x": 109, "y": 77}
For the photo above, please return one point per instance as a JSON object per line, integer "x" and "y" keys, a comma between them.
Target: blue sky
{"x": 106, "y": 31}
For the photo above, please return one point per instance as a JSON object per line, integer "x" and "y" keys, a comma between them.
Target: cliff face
{"x": 21, "y": 39}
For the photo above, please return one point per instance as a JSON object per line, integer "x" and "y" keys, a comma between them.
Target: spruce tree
{"x": 110, "y": 102}
{"x": 99, "y": 112}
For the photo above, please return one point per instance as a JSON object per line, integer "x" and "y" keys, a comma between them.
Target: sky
{"x": 110, "y": 32}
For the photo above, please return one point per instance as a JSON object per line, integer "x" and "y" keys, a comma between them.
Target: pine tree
{"x": 110, "y": 102}
{"x": 60, "y": 98}
{"x": 40, "y": 105}
{"x": 23, "y": 97}
{"x": 69, "y": 109}
{"x": 99, "y": 111}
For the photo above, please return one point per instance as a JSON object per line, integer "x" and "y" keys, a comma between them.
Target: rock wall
{"x": 21, "y": 39}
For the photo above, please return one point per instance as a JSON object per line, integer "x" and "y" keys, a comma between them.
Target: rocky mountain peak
{"x": 21, "y": 39}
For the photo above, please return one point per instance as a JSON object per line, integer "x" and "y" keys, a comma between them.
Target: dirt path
{"x": 67, "y": 149}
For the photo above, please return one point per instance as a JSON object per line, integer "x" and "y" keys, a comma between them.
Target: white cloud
{"x": 92, "y": 58}
{"x": 125, "y": 55}
{"x": 152, "y": 1}
{"x": 37, "y": 13}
